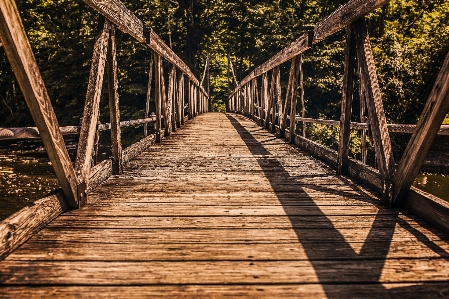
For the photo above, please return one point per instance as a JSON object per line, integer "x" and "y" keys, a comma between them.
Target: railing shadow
{"x": 348, "y": 268}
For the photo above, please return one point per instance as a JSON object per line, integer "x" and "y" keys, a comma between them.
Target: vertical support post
{"x": 376, "y": 114}
{"x": 157, "y": 95}
{"x": 264, "y": 98}
{"x": 88, "y": 132}
{"x": 179, "y": 104}
{"x": 164, "y": 104}
{"x": 183, "y": 93}
{"x": 346, "y": 102}
{"x": 277, "y": 95}
{"x": 433, "y": 114}
{"x": 174, "y": 98}
{"x": 298, "y": 68}
{"x": 148, "y": 99}
{"x": 288, "y": 97}
{"x": 23, "y": 62}
{"x": 270, "y": 108}
{"x": 114, "y": 108}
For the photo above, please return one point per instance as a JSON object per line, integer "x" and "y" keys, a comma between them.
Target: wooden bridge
{"x": 214, "y": 205}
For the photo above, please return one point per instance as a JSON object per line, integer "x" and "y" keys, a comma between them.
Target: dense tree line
{"x": 410, "y": 40}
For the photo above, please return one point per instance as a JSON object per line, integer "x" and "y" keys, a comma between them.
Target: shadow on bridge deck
{"x": 222, "y": 208}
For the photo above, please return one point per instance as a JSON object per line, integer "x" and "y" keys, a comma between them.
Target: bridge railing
{"x": 266, "y": 106}
{"x": 182, "y": 91}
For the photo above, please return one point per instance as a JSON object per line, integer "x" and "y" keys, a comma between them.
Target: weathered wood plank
{"x": 114, "y": 106}
{"x": 158, "y": 95}
{"x": 137, "y": 148}
{"x": 419, "y": 144}
{"x": 98, "y": 174}
{"x": 89, "y": 126}
{"x": 376, "y": 114}
{"x": 344, "y": 16}
{"x": 373, "y": 290}
{"x": 23, "y": 62}
{"x": 140, "y": 273}
{"x": 18, "y": 228}
{"x": 346, "y": 102}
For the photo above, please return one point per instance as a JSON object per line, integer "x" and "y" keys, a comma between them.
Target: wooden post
{"x": 182, "y": 100}
{"x": 270, "y": 109}
{"x": 165, "y": 109}
{"x": 363, "y": 120}
{"x": 157, "y": 95}
{"x": 179, "y": 102}
{"x": 264, "y": 98}
{"x": 346, "y": 102}
{"x": 376, "y": 114}
{"x": 114, "y": 106}
{"x": 277, "y": 99}
{"x": 23, "y": 62}
{"x": 88, "y": 132}
{"x": 298, "y": 68}
{"x": 174, "y": 98}
{"x": 148, "y": 99}
{"x": 303, "y": 101}
{"x": 288, "y": 97}
{"x": 433, "y": 114}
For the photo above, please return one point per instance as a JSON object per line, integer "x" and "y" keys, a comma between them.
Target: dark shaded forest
{"x": 410, "y": 39}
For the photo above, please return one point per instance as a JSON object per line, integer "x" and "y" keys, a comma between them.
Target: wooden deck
{"x": 222, "y": 208}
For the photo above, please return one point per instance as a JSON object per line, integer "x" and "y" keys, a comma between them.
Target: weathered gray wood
{"x": 148, "y": 98}
{"x": 22, "y": 60}
{"x": 114, "y": 106}
{"x": 158, "y": 95}
{"x": 19, "y": 227}
{"x": 91, "y": 112}
{"x": 376, "y": 114}
{"x": 344, "y": 16}
{"x": 325, "y": 153}
{"x": 346, "y": 101}
{"x": 165, "y": 110}
{"x": 437, "y": 106}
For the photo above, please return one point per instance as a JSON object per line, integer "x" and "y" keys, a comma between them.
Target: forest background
{"x": 410, "y": 39}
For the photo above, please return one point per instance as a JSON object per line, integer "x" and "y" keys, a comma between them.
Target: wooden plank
{"x": 325, "y": 153}
{"x": 419, "y": 144}
{"x": 91, "y": 112}
{"x": 361, "y": 290}
{"x": 114, "y": 107}
{"x": 225, "y": 272}
{"x": 19, "y": 227}
{"x": 23, "y": 63}
{"x": 346, "y": 101}
{"x": 277, "y": 101}
{"x": 376, "y": 114}
{"x": 148, "y": 98}
{"x": 344, "y": 16}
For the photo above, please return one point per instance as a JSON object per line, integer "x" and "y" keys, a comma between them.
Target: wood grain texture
{"x": 223, "y": 205}
{"x": 19, "y": 227}
{"x": 346, "y": 101}
{"x": 344, "y": 16}
{"x": 114, "y": 106}
{"x": 376, "y": 114}
{"x": 89, "y": 125}
{"x": 23, "y": 63}
{"x": 433, "y": 114}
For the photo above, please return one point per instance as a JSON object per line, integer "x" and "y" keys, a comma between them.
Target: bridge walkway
{"x": 223, "y": 208}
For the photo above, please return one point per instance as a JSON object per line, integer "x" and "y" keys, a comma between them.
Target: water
{"x": 436, "y": 184}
